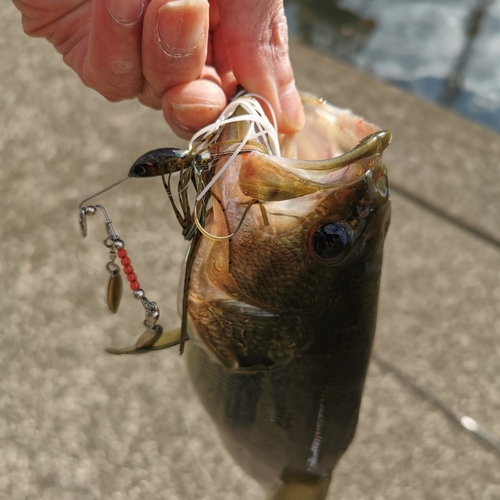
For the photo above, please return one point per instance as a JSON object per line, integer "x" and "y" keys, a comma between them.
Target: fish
{"x": 280, "y": 295}
{"x": 282, "y": 315}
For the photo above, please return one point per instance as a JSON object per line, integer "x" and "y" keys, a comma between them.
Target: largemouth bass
{"x": 281, "y": 316}
{"x": 281, "y": 286}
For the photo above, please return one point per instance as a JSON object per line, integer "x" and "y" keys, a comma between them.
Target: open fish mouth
{"x": 281, "y": 220}
{"x": 279, "y": 179}
{"x": 278, "y": 227}
{"x": 335, "y": 148}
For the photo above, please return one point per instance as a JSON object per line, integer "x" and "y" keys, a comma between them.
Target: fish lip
{"x": 271, "y": 178}
{"x": 372, "y": 145}
{"x": 369, "y": 146}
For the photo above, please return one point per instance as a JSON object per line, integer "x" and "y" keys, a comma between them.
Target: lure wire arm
{"x": 90, "y": 210}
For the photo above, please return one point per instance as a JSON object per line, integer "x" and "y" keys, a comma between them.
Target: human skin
{"x": 182, "y": 56}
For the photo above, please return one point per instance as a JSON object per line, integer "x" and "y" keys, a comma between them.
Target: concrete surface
{"x": 76, "y": 423}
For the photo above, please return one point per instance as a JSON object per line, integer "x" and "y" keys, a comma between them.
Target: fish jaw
{"x": 262, "y": 297}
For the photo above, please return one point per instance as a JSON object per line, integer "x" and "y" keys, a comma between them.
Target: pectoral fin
{"x": 148, "y": 342}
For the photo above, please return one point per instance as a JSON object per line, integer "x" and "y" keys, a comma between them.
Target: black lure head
{"x": 157, "y": 162}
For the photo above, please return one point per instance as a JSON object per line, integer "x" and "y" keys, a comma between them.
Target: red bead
{"x": 125, "y": 261}
{"x": 122, "y": 253}
{"x": 132, "y": 277}
{"x": 135, "y": 285}
{"x": 128, "y": 269}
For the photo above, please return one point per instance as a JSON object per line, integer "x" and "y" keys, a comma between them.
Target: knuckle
{"x": 116, "y": 82}
{"x": 269, "y": 35}
{"x": 277, "y": 33}
{"x": 150, "y": 97}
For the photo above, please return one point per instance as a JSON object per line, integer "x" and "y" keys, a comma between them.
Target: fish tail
{"x": 311, "y": 489}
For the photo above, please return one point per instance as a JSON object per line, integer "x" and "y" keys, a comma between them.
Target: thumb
{"x": 256, "y": 37}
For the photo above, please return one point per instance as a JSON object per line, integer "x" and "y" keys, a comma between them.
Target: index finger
{"x": 256, "y": 36}
{"x": 174, "y": 46}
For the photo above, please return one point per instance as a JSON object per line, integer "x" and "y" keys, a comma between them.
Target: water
{"x": 446, "y": 51}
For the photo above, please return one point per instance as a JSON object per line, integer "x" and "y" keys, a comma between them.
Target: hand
{"x": 185, "y": 56}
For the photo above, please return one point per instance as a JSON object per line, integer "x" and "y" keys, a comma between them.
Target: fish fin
{"x": 165, "y": 340}
{"x": 311, "y": 489}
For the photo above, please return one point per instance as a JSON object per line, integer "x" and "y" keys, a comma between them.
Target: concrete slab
{"x": 76, "y": 423}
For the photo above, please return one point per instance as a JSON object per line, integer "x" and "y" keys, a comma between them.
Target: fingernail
{"x": 194, "y": 116}
{"x": 181, "y": 25}
{"x": 292, "y": 109}
{"x": 125, "y": 11}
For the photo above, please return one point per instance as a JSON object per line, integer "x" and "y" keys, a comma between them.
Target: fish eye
{"x": 331, "y": 240}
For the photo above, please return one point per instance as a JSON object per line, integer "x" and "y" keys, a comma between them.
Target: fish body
{"x": 281, "y": 316}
